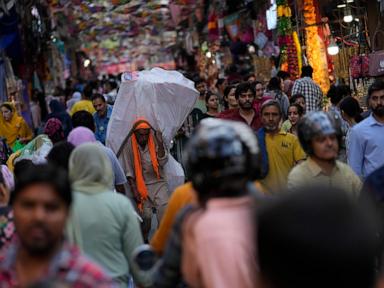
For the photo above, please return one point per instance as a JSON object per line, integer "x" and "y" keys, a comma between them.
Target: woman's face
{"x": 213, "y": 103}
{"x": 231, "y": 99}
{"x": 7, "y": 114}
{"x": 293, "y": 115}
{"x": 301, "y": 102}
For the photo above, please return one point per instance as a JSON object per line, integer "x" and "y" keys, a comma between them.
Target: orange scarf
{"x": 140, "y": 183}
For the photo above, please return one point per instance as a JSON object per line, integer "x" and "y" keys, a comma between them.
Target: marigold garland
{"x": 298, "y": 49}
{"x": 315, "y": 47}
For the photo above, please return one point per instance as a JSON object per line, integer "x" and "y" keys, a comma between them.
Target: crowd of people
{"x": 281, "y": 190}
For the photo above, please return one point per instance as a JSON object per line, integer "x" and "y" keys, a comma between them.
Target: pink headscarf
{"x": 8, "y": 177}
{"x": 81, "y": 135}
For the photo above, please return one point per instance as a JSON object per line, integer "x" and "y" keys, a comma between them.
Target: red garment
{"x": 257, "y": 103}
{"x": 68, "y": 265}
{"x": 234, "y": 114}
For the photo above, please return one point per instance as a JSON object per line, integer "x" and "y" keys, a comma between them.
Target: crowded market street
{"x": 192, "y": 143}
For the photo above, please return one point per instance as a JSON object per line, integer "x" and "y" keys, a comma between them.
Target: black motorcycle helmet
{"x": 220, "y": 155}
{"x": 317, "y": 124}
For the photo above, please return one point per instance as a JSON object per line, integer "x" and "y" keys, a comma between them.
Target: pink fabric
{"x": 81, "y": 135}
{"x": 219, "y": 246}
{"x": 8, "y": 177}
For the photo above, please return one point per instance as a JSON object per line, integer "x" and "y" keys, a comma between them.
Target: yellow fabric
{"x": 83, "y": 105}
{"x": 16, "y": 128}
{"x": 310, "y": 173}
{"x": 284, "y": 151}
{"x": 11, "y": 160}
{"x": 181, "y": 197}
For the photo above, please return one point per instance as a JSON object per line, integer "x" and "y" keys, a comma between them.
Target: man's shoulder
{"x": 345, "y": 168}
{"x": 300, "y": 169}
{"x": 229, "y": 114}
{"x": 362, "y": 126}
{"x": 286, "y": 136}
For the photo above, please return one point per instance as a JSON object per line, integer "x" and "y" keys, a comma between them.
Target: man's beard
{"x": 378, "y": 111}
{"x": 246, "y": 105}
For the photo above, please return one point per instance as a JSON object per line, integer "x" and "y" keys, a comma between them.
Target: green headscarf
{"x": 90, "y": 169}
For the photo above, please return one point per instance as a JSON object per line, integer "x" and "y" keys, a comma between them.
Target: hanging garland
{"x": 315, "y": 47}
{"x": 289, "y": 55}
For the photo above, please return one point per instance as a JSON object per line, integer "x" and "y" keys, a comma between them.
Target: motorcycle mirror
{"x": 144, "y": 257}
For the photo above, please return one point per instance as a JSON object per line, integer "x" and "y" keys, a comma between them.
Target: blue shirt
{"x": 366, "y": 146}
{"x": 102, "y": 125}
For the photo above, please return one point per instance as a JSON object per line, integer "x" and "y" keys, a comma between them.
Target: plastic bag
{"x": 17, "y": 146}
{"x": 175, "y": 173}
{"x": 164, "y": 98}
{"x": 36, "y": 150}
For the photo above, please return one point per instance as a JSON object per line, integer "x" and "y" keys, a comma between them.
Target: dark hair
{"x": 60, "y": 153}
{"x": 87, "y": 92}
{"x": 269, "y": 103}
{"x": 300, "y": 109}
{"x": 295, "y": 97}
{"x": 257, "y": 83}
{"x": 84, "y": 119}
{"x": 306, "y": 71}
{"x": 283, "y": 75}
{"x": 376, "y": 86}
{"x": 244, "y": 87}
{"x": 345, "y": 90}
{"x": 351, "y": 107}
{"x": 98, "y": 96}
{"x": 208, "y": 95}
{"x": 21, "y": 166}
{"x": 228, "y": 89}
{"x": 220, "y": 81}
{"x": 8, "y": 106}
{"x": 113, "y": 84}
{"x": 274, "y": 84}
{"x": 198, "y": 81}
{"x": 56, "y": 177}
{"x": 334, "y": 94}
{"x": 321, "y": 232}
{"x": 246, "y": 78}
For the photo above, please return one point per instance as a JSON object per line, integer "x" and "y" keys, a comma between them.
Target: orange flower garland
{"x": 316, "y": 53}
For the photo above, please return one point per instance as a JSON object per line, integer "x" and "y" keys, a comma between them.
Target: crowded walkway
{"x": 81, "y": 194}
{"x": 201, "y": 144}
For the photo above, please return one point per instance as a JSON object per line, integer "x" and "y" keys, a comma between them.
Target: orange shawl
{"x": 140, "y": 183}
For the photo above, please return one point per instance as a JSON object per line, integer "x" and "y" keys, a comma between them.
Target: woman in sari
{"x": 13, "y": 127}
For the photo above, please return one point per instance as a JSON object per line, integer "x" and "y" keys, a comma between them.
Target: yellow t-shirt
{"x": 83, "y": 105}
{"x": 284, "y": 151}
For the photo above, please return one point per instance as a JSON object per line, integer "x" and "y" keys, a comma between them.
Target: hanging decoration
{"x": 289, "y": 60}
{"x": 298, "y": 49}
{"x": 316, "y": 53}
